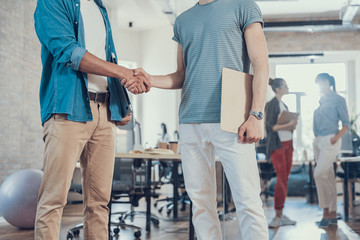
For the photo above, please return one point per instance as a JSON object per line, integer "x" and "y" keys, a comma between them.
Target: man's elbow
{"x": 261, "y": 62}
{"x": 180, "y": 78}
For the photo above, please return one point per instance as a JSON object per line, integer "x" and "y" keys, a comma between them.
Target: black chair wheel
{"x": 69, "y": 236}
{"x": 116, "y": 230}
{"x": 168, "y": 212}
{"x": 155, "y": 204}
{"x": 137, "y": 234}
{"x": 76, "y": 233}
{"x": 155, "y": 221}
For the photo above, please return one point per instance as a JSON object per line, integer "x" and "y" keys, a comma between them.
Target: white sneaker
{"x": 275, "y": 223}
{"x": 287, "y": 221}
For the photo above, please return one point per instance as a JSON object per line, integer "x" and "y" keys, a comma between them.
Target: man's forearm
{"x": 260, "y": 82}
{"x": 171, "y": 81}
{"x": 94, "y": 65}
{"x": 257, "y": 50}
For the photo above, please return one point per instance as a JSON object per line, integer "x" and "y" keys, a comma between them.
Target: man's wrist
{"x": 124, "y": 73}
{"x": 257, "y": 114}
{"x": 252, "y": 118}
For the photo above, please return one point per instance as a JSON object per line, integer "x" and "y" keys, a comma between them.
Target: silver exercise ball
{"x": 18, "y": 197}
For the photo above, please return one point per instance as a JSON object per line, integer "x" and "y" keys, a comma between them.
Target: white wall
{"x": 128, "y": 45}
{"x": 159, "y": 53}
{"x": 350, "y": 58}
{"x": 155, "y": 51}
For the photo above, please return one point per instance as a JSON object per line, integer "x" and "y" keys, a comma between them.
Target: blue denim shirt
{"x": 332, "y": 109}
{"x": 63, "y": 89}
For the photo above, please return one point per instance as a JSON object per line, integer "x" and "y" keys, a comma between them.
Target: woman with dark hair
{"x": 279, "y": 148}
{"x": 327, "y": 144}
{"x": 164, "y": 136}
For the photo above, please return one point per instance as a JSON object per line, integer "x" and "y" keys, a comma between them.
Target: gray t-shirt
{"x": 212, "y": 37}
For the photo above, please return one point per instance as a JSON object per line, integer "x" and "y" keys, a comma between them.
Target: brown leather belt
{"x": 99, "y": 97}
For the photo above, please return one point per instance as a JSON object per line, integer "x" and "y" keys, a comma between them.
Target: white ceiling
{"x": 275, "y": 8}
{"x": 147, "y": 14}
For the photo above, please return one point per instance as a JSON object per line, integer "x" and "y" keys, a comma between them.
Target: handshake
{"x": 138, "y": 82}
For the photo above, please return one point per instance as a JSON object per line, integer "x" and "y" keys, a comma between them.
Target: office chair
{"x": 76, "y": 187}
{"x": 129, "y": 182}
{"x": 350, "y": 148}
{"x": 75, "y": 231}
{"x": 266, "y": 169}
{"x": 166, "y": 177}
{"x": 267, "y": 172}
{"x": 354, "y": 177}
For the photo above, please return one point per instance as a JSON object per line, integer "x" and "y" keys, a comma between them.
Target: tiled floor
{"x": 296, "y": 208}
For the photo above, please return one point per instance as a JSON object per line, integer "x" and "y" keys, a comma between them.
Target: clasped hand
{"x": 138, "y": 82}
{"x": 250, "y": 131}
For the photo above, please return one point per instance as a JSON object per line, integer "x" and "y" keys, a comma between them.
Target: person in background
{"x": 327, "y": 144}
{"x": 279, "y": 148}
{"x": 164, "y": 136}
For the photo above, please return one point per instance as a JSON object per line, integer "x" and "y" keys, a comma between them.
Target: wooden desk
{"x": 175, "y": 158}
{"x": 346, "y": 160}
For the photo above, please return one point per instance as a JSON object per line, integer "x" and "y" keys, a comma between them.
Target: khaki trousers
{"x": 325, "y": 155}
{"x": 65, "y": 143}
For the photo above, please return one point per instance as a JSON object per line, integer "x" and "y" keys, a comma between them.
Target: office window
{"x": 304, "y": 98}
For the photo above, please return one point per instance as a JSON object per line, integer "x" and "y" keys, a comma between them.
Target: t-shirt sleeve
{"x": 249, "y": 14}
{"x": 176, "y": 36}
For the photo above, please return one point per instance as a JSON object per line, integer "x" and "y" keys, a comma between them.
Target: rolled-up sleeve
{"x": 343, "y": 112}
{"x": 176, "y": 37}
{"x": 76, "y": 55}
{"x": 249, "y": 14}
{"x": 56, "y": 32}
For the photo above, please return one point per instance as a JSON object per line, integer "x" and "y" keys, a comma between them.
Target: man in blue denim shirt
{"x": 79, "y": 120}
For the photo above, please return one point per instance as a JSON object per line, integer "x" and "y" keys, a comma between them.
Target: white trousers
{"x": 325, "y": 155}
{"x": 199, "y": 145}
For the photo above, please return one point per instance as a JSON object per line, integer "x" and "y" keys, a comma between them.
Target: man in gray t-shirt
{"x": 214, "y": 34}
{"x": 211, "y": 36}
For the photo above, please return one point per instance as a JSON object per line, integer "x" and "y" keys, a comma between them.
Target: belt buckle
{"x": 96, "y": 97}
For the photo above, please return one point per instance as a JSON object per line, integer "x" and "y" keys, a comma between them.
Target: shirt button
{"x": 76, "y": 22}
{"x": 77, "y": 4}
